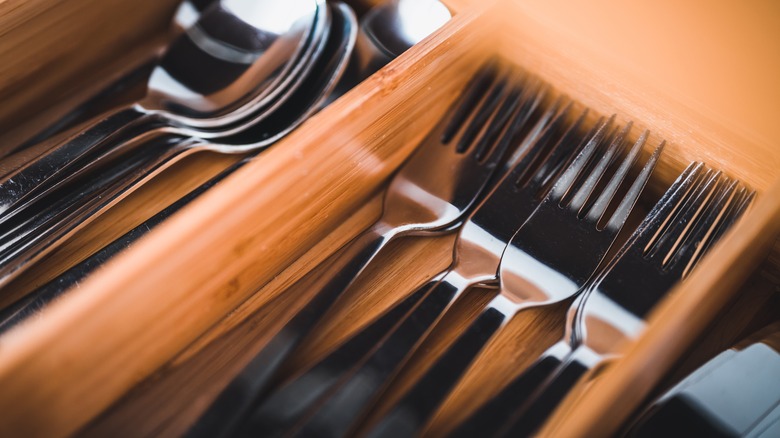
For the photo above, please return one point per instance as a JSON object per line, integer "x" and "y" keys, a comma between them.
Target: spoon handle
{"x": 34, "y": 302}
{"x": 54, "y": 166}
{"x": 34, "y": 231}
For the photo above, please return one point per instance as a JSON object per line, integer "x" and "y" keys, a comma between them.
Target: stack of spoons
{"x": 241, "y": 76}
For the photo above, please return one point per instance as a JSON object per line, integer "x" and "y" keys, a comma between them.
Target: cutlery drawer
{"x": 146, "y": 342}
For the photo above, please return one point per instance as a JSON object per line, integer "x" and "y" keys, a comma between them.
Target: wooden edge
{"x": 600, "y": 407}
{"x": 601, "y": 80}
{"x": 60, "y": 370}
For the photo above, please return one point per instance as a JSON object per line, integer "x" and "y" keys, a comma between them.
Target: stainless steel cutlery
{"x": 432, "y": 191}
{"x": 226, "y": 67}
{"x": 539, "y": 193}
{"x": 69, "y": 199}
{"x": 540, "y": 236}
{"x": 688, "y": 220}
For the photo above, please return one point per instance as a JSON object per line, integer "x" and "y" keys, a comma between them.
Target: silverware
{"x": 431, "y": 192}
{"x": 548, "y": 260}
{"x": 277, "y": 414}
{"x": 28, "y": 236}
{"x": 106, "y": 100}
{"x": 393, "y": 27}
{"x": 245, "y": 62}
{"x": 693, "y": 214}
{"x": 31, "y": 304}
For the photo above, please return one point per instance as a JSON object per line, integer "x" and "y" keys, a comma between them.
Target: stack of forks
{"x": 539, "y": 191}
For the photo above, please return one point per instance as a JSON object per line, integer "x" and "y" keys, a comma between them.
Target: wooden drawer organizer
{"x": 143, "y": 345}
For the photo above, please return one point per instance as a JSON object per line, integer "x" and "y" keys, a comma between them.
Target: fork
{"x": 693, "y": 214}
{"x": 548, "y": 260}
{"x": 431, "y": 192}
{"x": 280, "y": 412}
{"x": 495, "y": 218}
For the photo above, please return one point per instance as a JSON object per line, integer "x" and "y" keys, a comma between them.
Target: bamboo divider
{"x": 179, "y": 313}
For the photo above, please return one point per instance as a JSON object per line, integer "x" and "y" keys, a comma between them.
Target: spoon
{"x": 246, "y": 53}
{"x": 29, "y": 237}
{"x": 106, "y": 100}
{"x": 32, "y": 303}
{"x": 388, "y": 30}
{"x": 226, "y": 134}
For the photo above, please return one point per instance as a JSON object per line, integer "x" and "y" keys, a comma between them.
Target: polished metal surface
{"x": 397, "y": 25}
{"x": 220, "y": 91}
{"x": 29, "y": 235}
{"x": 693, "y": 214}
{"x": 431, "y": 192}
{"x": 549, "y": 259}
{"x": 390, "y": 29}
{"x": 547, "y": 146}
{"x": 246, "y": 52}
{"x": 519, "y": 104}
{"x": 187, "y": 14}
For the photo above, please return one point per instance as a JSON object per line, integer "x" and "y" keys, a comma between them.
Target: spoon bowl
{"x": 222, "y": 69}
{"x": 30, "y": 235}
{"x": 388, "y": 30}
{"x": 238, "y": 55}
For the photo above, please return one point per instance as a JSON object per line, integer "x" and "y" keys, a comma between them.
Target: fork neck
{"x": 387, "y": 231}
{"x": 604, "y": 325}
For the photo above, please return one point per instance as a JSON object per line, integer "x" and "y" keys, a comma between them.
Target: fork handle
{"x": 490, "y": 417}
{"x": 237, "y": 399}
{"x": 533, "y": 414}
{"x": 412, "y": 412}
{"x": 64, "y": 158}
{"x": 345, "y": 407}
{"x": 281, "y": 410}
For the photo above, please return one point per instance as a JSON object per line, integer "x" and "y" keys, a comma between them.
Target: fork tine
{"x": 538, "y": 144}
{"x": 705, "y": 232}
{"x": 465, "y": 105}
{"x": 621, "y": 213}
{"x": 737, "y": 206}
{"x": 508, "y": 109}
{"x": 615, "y": 148}
{"x": 522, "y": 104}
{"x": 479, "y": 119}
{"x": 539, "y": 129}
{"x": 563, "y": 152}
{"x": 701, "y": 227}
{"x": 671, "y": 237}
{"x": 565, "y": 183}
{"x": 740, "y": 206}
{"x": 667, "y": 207}
{"x": 599, "y": 207}
{"x": 693, "y": 182}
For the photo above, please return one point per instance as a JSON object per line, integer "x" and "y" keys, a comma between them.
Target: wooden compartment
{"x": 145, "y": 343}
